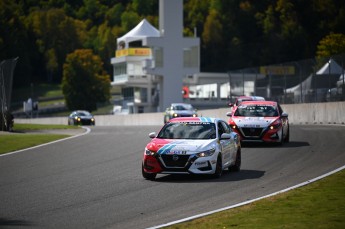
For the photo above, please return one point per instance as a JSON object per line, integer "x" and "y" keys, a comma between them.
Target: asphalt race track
{"x": 94, "y": 181}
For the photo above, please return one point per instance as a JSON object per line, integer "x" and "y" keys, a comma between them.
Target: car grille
{"x": 184, "y": 115}
{"x": 176, "y": 161}
{"x": 251, "y": 132}
{"x": 86, "y": 122}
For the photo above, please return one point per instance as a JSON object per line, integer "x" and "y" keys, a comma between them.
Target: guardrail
{"x": 308, "y": 113}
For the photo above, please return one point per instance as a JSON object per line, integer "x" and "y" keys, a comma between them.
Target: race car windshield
{"x": 182, "y": 107}
{"x": 256, "y": 111}
{"x": 199, "y": 130}
{"x": 83, "y": 114}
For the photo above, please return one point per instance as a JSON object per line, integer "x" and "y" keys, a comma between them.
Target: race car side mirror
{"x": 225, "y": 136}
{"x": 284, "y": 115}
{"x": 229, "y": 114}
{"x": 152, "y": 135}
{"x": 230, "y": 104}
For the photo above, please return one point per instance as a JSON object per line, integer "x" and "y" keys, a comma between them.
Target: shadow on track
{"x": 291, "y": 144}
{"x": 14, "y": 222}
{"x": 226, "y": 177}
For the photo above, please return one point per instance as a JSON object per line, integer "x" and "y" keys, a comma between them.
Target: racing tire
{"x": 281, "y": 142}
{"x": 219, "y": 167}
{"x": 287, "y": 138}
{"x": 148, "y": 176}
{"x": 237, "y": 166}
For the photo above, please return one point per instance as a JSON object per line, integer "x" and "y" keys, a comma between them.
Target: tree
{"x": 56, "y": 35}
{"x": 84, "y": 81}
{"x": 212, "y": 37}
{"x": 332, "y": 44}
{"x": 15, "y": 41}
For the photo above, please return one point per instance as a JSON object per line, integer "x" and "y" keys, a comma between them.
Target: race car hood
{"x": 257, "y": 122}
{"x": 180, "y": 146}
{"x": 86, "y": 117}
{"x": 184, "y": 112}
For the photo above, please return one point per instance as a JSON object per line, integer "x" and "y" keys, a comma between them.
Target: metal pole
{"x": 343, "y": 86}
{"x": 285, "y": 86}
{"x": 329, "y": 79}
{"x": 243, "y": 82}
{"x": 230, "y": 86}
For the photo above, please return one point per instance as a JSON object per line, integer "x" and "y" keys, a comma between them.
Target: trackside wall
{"x": 307, "y": 113}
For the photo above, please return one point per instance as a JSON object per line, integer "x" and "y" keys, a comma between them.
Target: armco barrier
{"x": 307, "y": 113}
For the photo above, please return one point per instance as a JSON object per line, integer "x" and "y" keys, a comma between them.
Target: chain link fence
{"x": 306, "y": 81}
{"x": 6, "y": 80}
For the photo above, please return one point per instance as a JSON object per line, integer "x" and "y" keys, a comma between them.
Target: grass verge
{"x": 22, "y": 127}
{"x": 10, "y": 143}
{"x": 317, "y": 205}
{"x": 22, "y": 138}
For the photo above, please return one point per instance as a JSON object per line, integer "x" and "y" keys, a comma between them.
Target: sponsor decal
{"x": 178, "y": 152}
{"x": 251, "y": 125}
{"x": 203, "y": 119}
{"x": 165, "y": 149}
{"x": 168, "y": 147}
{"x": 254, "y": 118}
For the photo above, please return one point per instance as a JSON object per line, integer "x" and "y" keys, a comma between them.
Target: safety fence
{"x": 306, "y": 81}
{"x": 6, "y": 80}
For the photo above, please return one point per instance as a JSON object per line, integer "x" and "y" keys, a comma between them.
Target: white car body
{"x": 192, "y": 156}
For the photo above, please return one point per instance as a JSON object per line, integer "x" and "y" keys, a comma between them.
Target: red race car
{"x": 260, "y": 121}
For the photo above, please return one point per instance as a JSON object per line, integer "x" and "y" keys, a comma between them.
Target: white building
{"x": 150, "y": 64}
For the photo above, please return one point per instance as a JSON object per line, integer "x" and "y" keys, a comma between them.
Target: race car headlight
{"x": 195, "y": 115}
{"x": 232, "y": 124}
{"x": 92, "y": 120}
{"x": 206, "y": 153}
{"x": 275, "y": 125}
{"x": 174, "y": 115}
{"x": 149, "y": 152}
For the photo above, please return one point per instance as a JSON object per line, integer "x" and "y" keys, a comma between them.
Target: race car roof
{"x": 193, "y": 119}
{"x": 256, "y": 102}
{"x": 244, "y": 97}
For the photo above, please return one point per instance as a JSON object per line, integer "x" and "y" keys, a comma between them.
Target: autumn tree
{"x": 84, "y": 82}
{"x": 56, "y": 35}
{"x": 331, "y": 44}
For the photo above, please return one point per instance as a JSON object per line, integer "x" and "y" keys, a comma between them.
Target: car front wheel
{"x": 219, "y": 167}
{"x": 287, "y": 138}
{"x": 148, "y": 176}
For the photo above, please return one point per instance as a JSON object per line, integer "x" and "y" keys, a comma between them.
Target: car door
{"x": 225, "y": 144}
{"x": 285, "y": 121}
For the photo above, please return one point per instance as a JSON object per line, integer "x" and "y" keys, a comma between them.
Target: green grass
{"x": 35, "y": 91}
{"x": 317, "y": 205}
{"x": 51, "y": 94}
{"x": 21, "y": 138}
{"x": 10, "y": 143}
{"x": 19, "y": 127}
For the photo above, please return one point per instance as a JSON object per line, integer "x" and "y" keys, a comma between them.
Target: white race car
{"x": 193, "y": 145}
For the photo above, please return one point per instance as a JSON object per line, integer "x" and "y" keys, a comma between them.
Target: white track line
{"x": 88, "y": 130}
{"x": 249, "y": 201}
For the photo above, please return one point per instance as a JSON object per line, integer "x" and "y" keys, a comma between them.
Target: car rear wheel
{"x": 219, "y": 167}
{"x": 148, "y": 176}
{"x": 237, "y": 166}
